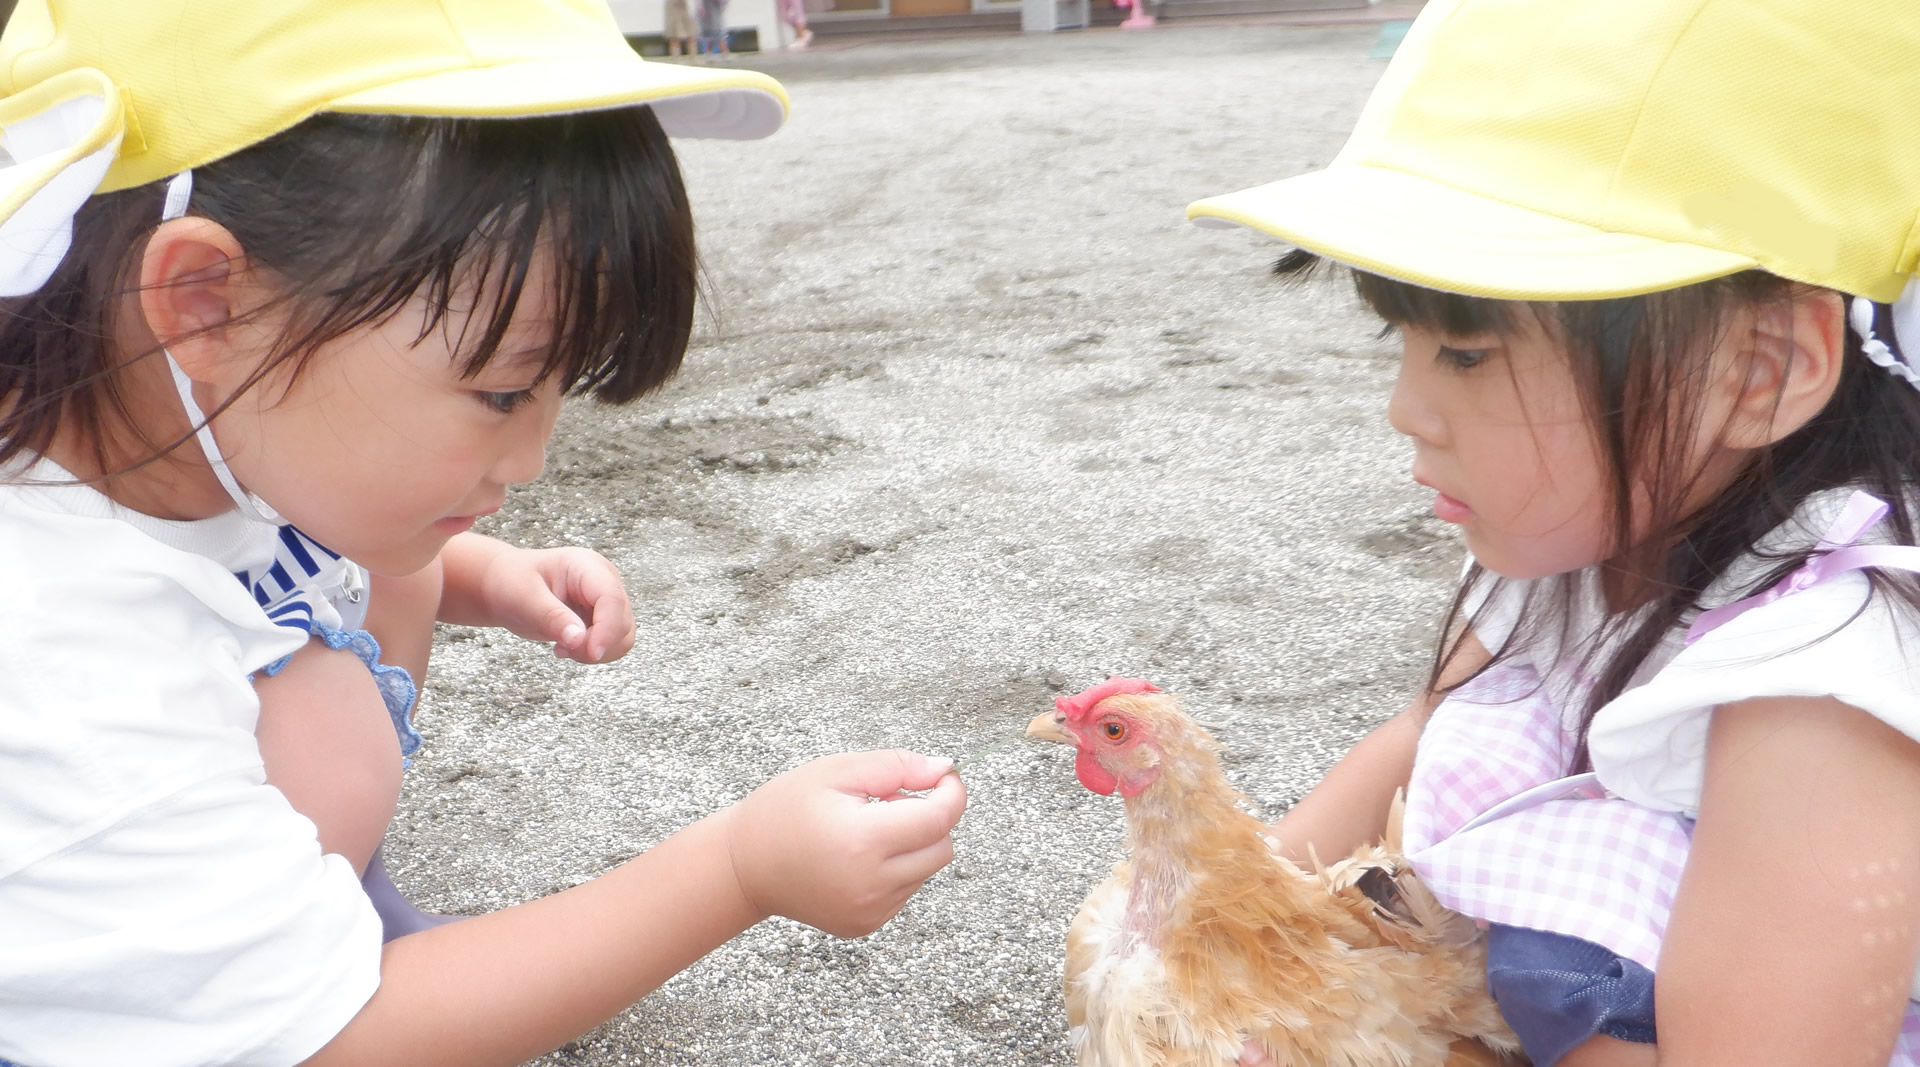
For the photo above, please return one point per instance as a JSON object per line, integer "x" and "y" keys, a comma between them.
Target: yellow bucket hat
{"x": 98, "y": 95}
{"x": 1587, "y": 149}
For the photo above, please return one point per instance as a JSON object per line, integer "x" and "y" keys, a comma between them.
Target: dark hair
{"x": 353, "y": 216}
{"x": 1636, "y": 362}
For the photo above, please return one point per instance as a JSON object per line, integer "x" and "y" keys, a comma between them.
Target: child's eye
{"x": 505, "y": 403}
{"x": 1462, "y": 358}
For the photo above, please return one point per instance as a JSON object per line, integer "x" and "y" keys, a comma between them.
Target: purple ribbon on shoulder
{"x": 1836, "y": 554}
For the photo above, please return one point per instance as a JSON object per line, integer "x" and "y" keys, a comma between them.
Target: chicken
{"x": 1205, "y": 942}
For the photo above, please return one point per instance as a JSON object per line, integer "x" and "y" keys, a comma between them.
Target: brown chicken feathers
{"x": 1204, "y": 939}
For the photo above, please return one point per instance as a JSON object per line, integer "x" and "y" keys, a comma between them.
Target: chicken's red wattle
{"x": 1092, "y": 775}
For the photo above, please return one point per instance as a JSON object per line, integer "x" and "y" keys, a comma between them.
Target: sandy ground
{"x": 976, "y": 417}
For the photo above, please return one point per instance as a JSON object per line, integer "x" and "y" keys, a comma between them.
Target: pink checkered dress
{"x": 1499, "y": 833}
{"x": 1573, "y": 863}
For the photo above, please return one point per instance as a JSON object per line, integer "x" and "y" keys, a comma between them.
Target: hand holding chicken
{"x": 1205, "y": 945}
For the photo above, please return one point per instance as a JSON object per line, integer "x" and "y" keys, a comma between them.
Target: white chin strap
{"x": 1902, "y": 358}
{"x": 179, "y": 191}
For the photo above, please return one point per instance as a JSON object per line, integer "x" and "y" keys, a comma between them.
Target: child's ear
{"x": 1789, "y": 367}
{"x": 193, "y": 284}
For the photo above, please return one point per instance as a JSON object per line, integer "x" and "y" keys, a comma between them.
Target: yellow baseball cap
{"x": 98, "y": 95}
{"x": 1587, "y": 149}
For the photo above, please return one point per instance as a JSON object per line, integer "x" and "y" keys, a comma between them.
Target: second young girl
{"x": 1651, "y": 263}
{"x": 289, "y": 295}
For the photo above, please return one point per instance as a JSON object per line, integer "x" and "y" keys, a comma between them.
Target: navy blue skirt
{"x": 1557, "y": 991}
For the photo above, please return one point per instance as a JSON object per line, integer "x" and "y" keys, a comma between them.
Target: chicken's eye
{"x": 1115, "y": 731}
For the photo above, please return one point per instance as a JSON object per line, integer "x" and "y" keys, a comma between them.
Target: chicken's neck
{"x": 1189, "y": 819}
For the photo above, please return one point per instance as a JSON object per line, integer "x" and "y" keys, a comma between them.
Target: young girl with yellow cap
{"x": 1652, "y": 265}
{"x": 289, "y": 295}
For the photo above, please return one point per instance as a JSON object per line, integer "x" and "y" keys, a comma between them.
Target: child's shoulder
{"x": 87, "y": 577}
{"x": 76, "y": 529}
{"x": 1827, "y": 519}
{"x": 1827, "y": 631}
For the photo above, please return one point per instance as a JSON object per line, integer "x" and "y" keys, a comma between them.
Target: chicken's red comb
{"x": 1079, "y": 704}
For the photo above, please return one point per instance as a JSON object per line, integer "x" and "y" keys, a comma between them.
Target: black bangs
{"x": 1405, "y": 304}
{"x": 605, "y": 212}
{"x": 361, "y": 214}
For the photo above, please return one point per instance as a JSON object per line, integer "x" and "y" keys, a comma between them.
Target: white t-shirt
{"x": 1649, "y": 744}
{"x": 160, "y": 904}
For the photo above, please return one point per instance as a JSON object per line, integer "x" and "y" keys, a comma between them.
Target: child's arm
{"x": 1796, "y": 929}
{"x": 572, "y": 597}
{"x": 505, "y": 987}
{"x": 1349, "y": 807}
{"x": 328, "y": 745}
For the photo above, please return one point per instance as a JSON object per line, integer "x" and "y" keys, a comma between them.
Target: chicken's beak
{"x": 1048, "y": 726}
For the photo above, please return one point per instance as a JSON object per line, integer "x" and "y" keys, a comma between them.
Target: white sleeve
{"x": 202, "y": 931}
{"x": 1649, "y": 745}
{"x": 160, "y": 904}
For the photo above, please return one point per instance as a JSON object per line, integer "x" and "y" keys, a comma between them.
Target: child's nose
{"x": 521, "y": 465}
{"x": 526, "y": 456}
{"x": 1408, "y": 411}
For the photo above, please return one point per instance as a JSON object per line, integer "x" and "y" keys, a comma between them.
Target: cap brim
{"x": 689, "y": 101}
{"x": 1416, "y": 230}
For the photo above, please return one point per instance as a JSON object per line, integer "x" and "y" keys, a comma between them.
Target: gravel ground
{"x": 974, "y": 417}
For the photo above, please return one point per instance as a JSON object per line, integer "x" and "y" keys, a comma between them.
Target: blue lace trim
{"x": 395, "y": 684}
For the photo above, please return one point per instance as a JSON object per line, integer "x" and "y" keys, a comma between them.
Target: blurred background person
{"x": 713, "y": 27}
{"x": 680, "y": 29}
{"x": 794, "y": 14}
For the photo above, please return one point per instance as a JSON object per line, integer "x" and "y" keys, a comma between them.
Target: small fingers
{"x": 560, "y": 625}
{"x": 911, "y": 823}
{"x": 914, "y": 868}
{"x": 884, "y": 773}
{"x": 612, "y": 634}
{"x": 597, "y": 588}
{"x": 949, "y": 796}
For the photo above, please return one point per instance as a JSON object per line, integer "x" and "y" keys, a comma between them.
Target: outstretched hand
{"x": 840, "y": 843}
{"x": 572, "y": 597}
